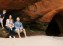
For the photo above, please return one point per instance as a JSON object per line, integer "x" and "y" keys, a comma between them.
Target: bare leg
{"x": 24, "y": 32}
{"x": 18, "y": 31}
{"x": 2, "y": 25}
{"x": 13, "y": 36}
{"x": 10, "y": 37}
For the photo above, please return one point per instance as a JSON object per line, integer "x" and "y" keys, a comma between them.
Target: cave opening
{"x": 54, "y": 27}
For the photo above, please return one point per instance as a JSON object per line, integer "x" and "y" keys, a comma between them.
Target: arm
{"x": 7, "y": 23}
{"x": 21, "y": 26}
{"x": 2, "y": 23}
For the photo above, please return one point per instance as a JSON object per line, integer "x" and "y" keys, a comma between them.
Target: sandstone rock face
{"x": 15, "y": 4}
{"x": 38, "y": 11}
{"x": 45, "y": 8}
{"x": 35, "y": 8}
{"x": 43, "y": 11}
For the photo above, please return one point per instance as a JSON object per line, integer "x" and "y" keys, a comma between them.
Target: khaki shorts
{"x": 19, "y": 30}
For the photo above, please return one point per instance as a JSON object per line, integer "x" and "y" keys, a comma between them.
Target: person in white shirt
{"x": 10, "y": 26}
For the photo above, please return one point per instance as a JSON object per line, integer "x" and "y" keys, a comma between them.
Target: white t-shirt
{"x": 9, "y": 22}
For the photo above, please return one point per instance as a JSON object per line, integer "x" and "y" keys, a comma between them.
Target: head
{"x": 18, "y": 19}
{"x": 10, "y": 16}
{"x": 4, "y": 11}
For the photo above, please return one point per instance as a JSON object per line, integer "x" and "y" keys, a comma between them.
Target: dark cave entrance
{"x": 54, "y": 29}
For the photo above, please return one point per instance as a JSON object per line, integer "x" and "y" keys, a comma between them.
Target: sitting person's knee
{"x": 16, "y": 30}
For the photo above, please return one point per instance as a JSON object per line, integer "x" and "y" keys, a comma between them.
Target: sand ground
{"x": 32, "y": 41}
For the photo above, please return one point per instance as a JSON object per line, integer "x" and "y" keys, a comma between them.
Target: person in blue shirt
{"x": 19, "y": 27}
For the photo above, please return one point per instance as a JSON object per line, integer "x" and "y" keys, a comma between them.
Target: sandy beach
{"x": 32, "y": 41}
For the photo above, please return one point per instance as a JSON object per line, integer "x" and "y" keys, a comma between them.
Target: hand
{"x": 21, "y": 28}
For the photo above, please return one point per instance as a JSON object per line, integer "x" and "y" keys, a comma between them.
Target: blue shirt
{"x": 18, "y": 25}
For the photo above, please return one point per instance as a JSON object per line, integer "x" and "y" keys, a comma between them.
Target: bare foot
{"x": 19, "y": 37}
{"x": 14, "y": 37}
{"x": 10, "y": 37}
